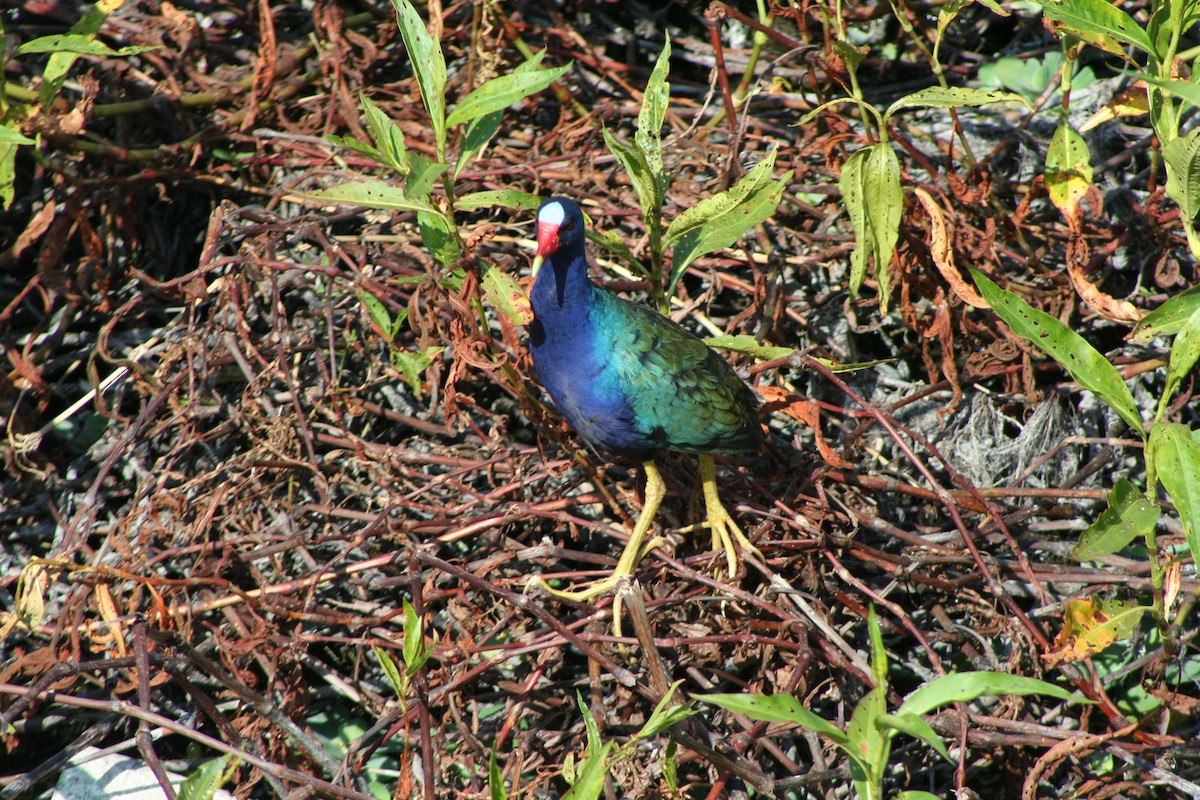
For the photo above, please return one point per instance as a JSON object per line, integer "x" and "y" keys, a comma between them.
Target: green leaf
{"x": 205, "y": 781}
{"x": 372, "y": 194}
{"x": 667, "y": 712}
{"x": 776, "y": 708}
{"x": 1184, "y": 90}
{"x": 1129, "y": 515}
{"x": 54, "y": 74}
{"x": 748, "y": 345}
{"x": 719, "y": 221}
{"x": 1182, "y": 155}
{"x": 866, "y": 744}
{"x": 412, "y": 365}
{"x": 422, "y": 174}
{"x": 496, "y": 789}
{"x": 915, "y": 794}
{"x": 915, "y": 727}
{"x": 10, "y": 136}
{"x": 438, "y": 235}
{"x": 398, "y": 681}
{"x": 653, "y": 113}
{"x": 415, "y": 651}
{"x": 428, "y": 64}
{"x": 1098, "y": 22}
{"x": 504, "y": 198}
{"x": 8, "y": 173}
{"x": 722, "y": 205}
{"x": 504, "y": 294}
{"x": 870, "y": 186}
{"x": 478, "y": 133}
{"x": 387, "y": 136}
{"x": 964, "y": 686}
{"x": 954, "y": 97}
{"x": 481, "y": 129}
{"x": 1089, "y": 368}
{"x": 352, "y": 144}
{"x": 1169, "y": 318}
{"x": 849, "y": 53}
{"x": 1185, "y": 351}
{"x": 500, "y": 93}
{"x": 613, "y": 243}
{"x": 1068, "y": 170}
{"x": 590, "y": 773}
{"x": 670, "y": 767}
{"x": 879, "y": 660}
{"x": 851, "y": 366}
{"x": 81, "y": 45}
{"x": 380, "y": 316}
{"x": 646, "y": 183}
{"x": 1177, "y": 459}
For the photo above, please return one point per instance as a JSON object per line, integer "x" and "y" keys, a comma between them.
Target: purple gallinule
{"x": 632, "y": 382}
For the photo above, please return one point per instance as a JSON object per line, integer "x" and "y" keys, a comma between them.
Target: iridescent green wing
{"x": 683, "y": 395}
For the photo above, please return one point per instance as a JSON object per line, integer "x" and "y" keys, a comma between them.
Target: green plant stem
{"x": 1064, "y": 81}
{"x": 767, "y": 18}
{"x": 1156, "y": 583}
{"x": 1165, "y": 119}
{"x": 932, "y": 58}
{"x": 658, "y": 292}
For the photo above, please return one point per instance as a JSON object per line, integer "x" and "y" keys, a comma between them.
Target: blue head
{"x": 560, "y": 239}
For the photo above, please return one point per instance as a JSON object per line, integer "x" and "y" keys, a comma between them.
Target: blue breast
{"x": 573, "y": 356}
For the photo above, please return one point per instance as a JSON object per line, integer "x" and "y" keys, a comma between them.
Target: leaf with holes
{"x": 428, "y": 64}
{"x": 1099, "y": 23}
{"x": 953, "y": 97}
{"x": 870, "y": 185}
{"x": 653, "y": 112}
{"x": 372, "y": 194}
{"x": 1169, "y": 318}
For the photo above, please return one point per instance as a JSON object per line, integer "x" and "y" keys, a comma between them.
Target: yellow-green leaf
{"x": 504, "y": 294}
{"x": 1098, "y": 22}
{"x": 1068, "y": 170}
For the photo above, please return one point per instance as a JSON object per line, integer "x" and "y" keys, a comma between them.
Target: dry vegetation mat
{"x": 280, "y": 480}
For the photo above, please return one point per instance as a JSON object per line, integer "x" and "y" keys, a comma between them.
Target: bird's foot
{"x": 724, "y": 533}
{"x": 724, "y": 530}
{"x": 583, "y": 594}
{"x": 602, "y": 586}
{"x": 589, "y": 592}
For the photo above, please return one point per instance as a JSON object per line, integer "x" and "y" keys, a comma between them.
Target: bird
{"x": 632, "y": 382}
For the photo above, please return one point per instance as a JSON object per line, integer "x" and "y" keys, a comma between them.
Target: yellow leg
{"x": 724, "y": 529}
{"x": 630, "y": 556}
